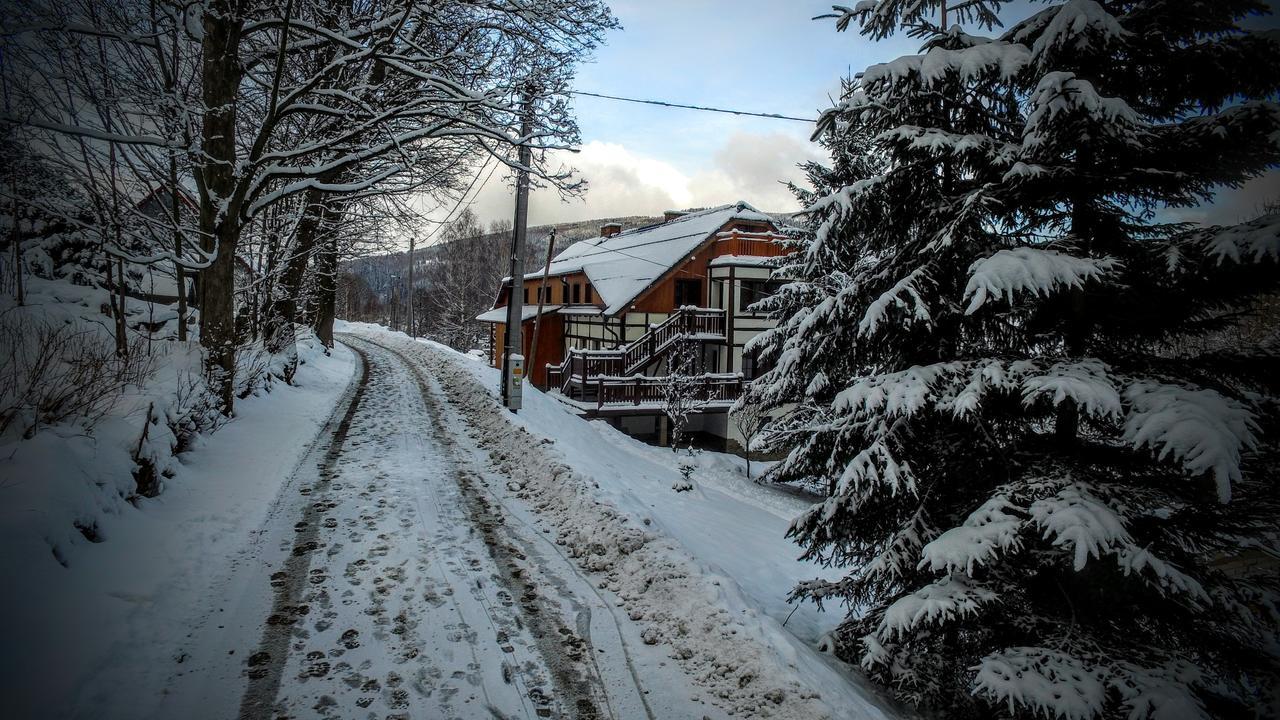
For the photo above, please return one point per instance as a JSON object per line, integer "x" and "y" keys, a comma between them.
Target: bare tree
{"x": 750, "y": 417}
{"x": 682, "y": 390}
{"x": 457, "y": 282}
{"x": 306, "y": 98}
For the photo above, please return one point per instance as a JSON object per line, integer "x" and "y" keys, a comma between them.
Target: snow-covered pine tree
{"x": 1045, "y": 505}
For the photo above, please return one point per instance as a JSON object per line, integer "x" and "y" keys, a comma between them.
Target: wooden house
{"x": 615, "y": 305}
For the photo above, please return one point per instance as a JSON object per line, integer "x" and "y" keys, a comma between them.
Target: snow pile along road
{"x": 98, "y": 628}
{"x": 741, "y": 656}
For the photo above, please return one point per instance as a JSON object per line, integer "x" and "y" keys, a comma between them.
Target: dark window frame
{"x": 681, "y": 292}
{"x": 751, "y": 291}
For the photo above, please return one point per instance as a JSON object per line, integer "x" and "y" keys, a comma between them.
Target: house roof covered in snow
{"x": 528, "y": 312}
{"x": 622, "y": 266}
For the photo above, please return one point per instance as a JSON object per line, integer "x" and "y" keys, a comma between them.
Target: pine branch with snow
{"x": 1046, "y": 499}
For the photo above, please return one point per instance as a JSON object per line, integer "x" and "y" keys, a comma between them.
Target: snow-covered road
{"x": 423, "y": 553}
{"x": 688, "y": 583}
{"x": 406, "y": 592}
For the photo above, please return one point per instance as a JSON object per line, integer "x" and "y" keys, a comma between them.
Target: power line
{"x": 771, "y": 116}
{"x": 448, "y": 219}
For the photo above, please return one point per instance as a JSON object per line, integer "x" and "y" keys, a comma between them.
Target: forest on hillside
{"x": 454, "y": 279}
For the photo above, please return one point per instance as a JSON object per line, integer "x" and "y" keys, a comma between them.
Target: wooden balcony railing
{"x": 583, "y": 366}
{"x": 645, "y": 390}
{"x": 752, "y": 244}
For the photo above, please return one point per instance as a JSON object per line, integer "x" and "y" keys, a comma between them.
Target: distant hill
{"x": 380, "y": 270}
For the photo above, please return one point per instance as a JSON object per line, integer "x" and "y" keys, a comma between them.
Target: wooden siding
{"x": 559, "y": 291}
{"x": 661, "y": 297}
{"x": 550, "y": 346}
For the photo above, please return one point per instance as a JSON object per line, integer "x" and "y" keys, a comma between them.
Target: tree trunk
{"x": 326, "y": 290}
{"x": 1075, "y": 339}
{"x": 16, "y": 236}
{"x": 179, "y": 273}
{"x": 219, "y": 221}
{"x": 122, "y": 327}
{"x": 327, "y": 276}
{"x": 280, "y": 334}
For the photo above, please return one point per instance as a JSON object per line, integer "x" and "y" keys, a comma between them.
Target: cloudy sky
{"x": 756, "y": 55}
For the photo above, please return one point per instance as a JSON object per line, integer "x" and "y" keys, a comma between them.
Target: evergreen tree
{"x": 1046, "y": 503}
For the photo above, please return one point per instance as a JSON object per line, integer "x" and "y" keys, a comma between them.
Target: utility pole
{"x": 512, "y": 360}
{"x": 542, "y": 296}
{"x": 413, "y": 330}
{"x": 395, "y": 301}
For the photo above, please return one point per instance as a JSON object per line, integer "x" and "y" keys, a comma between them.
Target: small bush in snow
{"x": 58, "y": 372}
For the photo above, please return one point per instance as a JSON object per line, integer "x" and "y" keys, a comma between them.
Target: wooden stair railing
{"x": 581, "y": 367}
{"x": 585, "y": 367}
{"x": 687, "y": 320}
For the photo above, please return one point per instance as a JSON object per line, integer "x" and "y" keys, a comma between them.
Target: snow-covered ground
{"x": 384, "y": 540}
{"x": 100, "y": 637}
{"x": 704, "y": 573}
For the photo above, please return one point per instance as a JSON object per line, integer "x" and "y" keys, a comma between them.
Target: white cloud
{"x": 754, "y": 167}
{"x": 748, "y": 166}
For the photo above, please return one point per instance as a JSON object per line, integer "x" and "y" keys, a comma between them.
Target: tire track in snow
{"x": 569, "y": 656}
{"x": 407, "y": 470}
{"x": 266, "y": 666}
{"x": 491, "y": 502}
{"x": 747, "y": 667}
{"x": 584, "y": 614}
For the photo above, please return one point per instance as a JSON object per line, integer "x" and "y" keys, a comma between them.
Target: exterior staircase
{"x": 614, "y": 376}
{"x": 687, "y": 322}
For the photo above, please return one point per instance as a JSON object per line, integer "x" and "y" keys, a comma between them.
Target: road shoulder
{"x": 134, "y": 621}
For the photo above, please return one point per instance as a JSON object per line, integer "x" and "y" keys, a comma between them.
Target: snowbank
{"x": 704, "y": 572}
{"x": 103, "y": 584}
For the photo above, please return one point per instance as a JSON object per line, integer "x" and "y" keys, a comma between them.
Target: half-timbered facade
{"x": 614, "y": 305}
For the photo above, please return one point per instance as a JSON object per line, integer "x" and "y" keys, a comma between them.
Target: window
{"x": 526, "y": 296}
{"x": 754, "y": 291}
{"x": 752, "y": 367}
{"x": 688, "y": 292}
{"x": 577, "y": 291}
{"x": 589, "y": 300}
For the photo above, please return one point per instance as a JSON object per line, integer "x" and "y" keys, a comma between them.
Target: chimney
{"x": 608, "y": 230}
{"x": 669, "y": 215}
